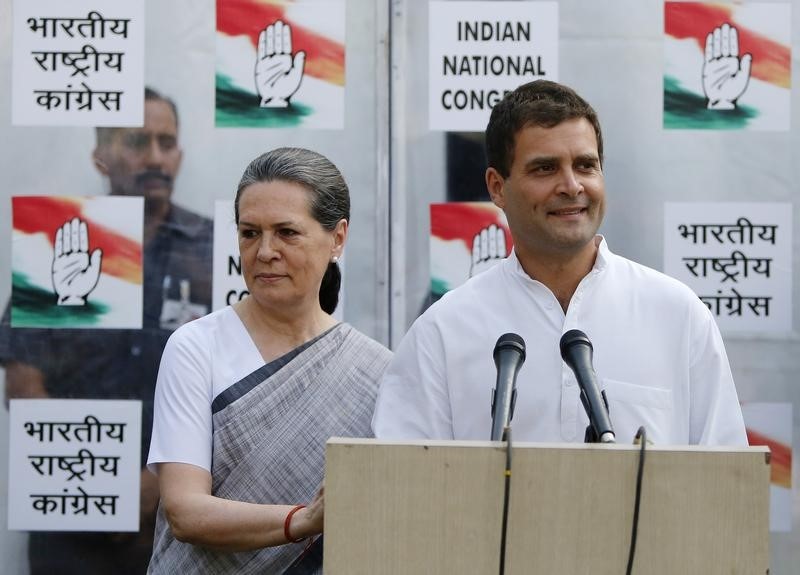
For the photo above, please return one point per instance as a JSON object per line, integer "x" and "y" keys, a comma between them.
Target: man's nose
{"x": 155, "y": 153}
{"x": 570, "y": 184}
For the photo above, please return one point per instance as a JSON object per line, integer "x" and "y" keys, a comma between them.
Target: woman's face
{"x": 284, "y": 250}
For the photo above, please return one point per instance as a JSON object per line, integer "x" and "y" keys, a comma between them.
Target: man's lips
{"x": 154, "y": 180}
{"x": 571, "y": 211}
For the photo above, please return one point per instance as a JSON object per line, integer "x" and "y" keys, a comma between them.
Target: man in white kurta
{"x": 657, "y": 352}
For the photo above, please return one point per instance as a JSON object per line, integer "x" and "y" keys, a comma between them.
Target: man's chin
{"x": 574, "y": 242}
{"x": 156, "y": 193}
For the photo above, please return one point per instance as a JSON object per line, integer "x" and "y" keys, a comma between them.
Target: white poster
{"x": 78, "y": 63}
{"x": 76, "y": 262}
{"x": 478, "y": 51}
{"x": 280, "y": 64}
{"x": 73, "y": 465}
{"x": 738, "y": 258}
{"x": 228, "y": 283}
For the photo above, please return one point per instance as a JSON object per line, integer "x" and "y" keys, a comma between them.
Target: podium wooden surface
{"x": 436, "y": 507}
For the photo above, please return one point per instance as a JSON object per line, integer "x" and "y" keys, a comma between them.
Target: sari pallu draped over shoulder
{"x": 269, "y": 438}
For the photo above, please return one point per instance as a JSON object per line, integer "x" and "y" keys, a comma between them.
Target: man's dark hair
{"x": 105, "y": 134}
{"x": 538, "y": 103}
{"x": 329, "y": 198}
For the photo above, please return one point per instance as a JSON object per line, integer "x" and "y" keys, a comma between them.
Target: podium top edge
{"x": 338, "y": 441}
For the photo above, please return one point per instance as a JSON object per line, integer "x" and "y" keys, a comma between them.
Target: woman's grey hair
{"x": 329, "y": 198}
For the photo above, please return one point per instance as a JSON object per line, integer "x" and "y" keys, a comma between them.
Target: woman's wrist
{"x": 292, "y": 528}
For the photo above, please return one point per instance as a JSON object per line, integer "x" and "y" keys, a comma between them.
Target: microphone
{"x": 576, "y": 351}
{"x": 509, "y": 355}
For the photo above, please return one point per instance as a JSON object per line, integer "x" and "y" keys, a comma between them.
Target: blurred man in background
{"x": 121, "y": 364}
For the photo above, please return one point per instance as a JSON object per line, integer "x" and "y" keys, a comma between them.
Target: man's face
{"x": 143, "y": 161}
{"x": 554, "y": 195}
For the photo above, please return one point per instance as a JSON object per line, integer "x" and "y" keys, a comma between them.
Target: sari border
{"x": 251, "y": 381}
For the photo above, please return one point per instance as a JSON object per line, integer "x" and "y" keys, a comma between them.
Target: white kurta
{"x": 657, "y": 353}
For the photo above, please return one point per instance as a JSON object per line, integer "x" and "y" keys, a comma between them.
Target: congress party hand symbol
{"x": 75, "y": 273}
{"x": 278, "y": 74}
{"x": 488, "y": 248}
{"x": 725, "y": 76}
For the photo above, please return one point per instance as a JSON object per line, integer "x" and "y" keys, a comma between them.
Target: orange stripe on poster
{"x": 771, "y": 60}
{"x": 460, "y": 221}
{"x": 122, "y": 257}
{"x": 781, "y": 459}
{"x": 324, "y": 57}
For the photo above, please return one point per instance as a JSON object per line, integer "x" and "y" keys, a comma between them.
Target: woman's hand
{"x": 310, "y": 520}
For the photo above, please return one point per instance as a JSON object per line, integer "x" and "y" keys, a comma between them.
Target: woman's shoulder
{"x": 363, "y": 346}
{"x": 203, "y": 331}
{"x": 359, "y": 336}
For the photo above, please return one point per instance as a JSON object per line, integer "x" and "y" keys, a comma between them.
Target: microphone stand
{"x": 506, "y": 496}
{"x": 590, "y": 436}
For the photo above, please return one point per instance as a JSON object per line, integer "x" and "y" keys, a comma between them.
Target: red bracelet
{"x": 288, "y": 521}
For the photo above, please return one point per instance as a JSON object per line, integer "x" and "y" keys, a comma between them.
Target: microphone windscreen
{"x": 572, "y": 337}
{"x": 510, "y": 341}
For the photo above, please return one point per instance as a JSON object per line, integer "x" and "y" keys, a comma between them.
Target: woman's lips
{"x": 269, "y": 278}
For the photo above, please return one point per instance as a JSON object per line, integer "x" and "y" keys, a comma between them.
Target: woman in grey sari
{"x": 247, "y": 396}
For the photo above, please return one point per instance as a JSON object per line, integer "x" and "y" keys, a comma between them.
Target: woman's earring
{"x": 335, "y": 259}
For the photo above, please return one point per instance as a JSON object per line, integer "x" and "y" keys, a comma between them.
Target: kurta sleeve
{"x": 413, "y": 400}
{"x": 715, "y": 413}
{"x": 182, "y": 426}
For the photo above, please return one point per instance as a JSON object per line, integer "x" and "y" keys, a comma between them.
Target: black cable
{"x": 641, "y": 436}
{"x": 504, "y": 527}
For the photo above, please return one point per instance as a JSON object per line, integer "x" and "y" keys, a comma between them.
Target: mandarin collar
{"x": 514, "y": 266}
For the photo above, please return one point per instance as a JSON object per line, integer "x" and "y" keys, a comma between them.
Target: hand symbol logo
{"x": 75, "y": 273}
{"x": 488, "y": 248}
{"x": 725, "y": 77}
{"x": 278, "y": 75}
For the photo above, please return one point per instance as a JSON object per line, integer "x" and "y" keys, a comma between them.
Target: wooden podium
{"x": 435, "y": 507}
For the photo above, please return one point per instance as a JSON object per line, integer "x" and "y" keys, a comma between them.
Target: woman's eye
{"x": 288, "y": 232}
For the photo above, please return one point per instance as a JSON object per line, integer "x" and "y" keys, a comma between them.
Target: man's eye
{"x": 167, "y": 142}
{"x": 136, "y": 141}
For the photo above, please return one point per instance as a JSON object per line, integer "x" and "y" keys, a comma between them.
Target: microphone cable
{"x": 506, "y": 494}
{"x": 641, "y": 437}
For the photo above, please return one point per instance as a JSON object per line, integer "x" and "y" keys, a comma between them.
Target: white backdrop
{"x": 611, "y": 52}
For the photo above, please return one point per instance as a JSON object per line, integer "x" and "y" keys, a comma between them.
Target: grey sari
{"x": 269, "y": 438}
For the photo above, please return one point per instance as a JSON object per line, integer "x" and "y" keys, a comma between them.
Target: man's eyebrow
{"x": 540, "y": 161}
{"x": 588, "y": 157}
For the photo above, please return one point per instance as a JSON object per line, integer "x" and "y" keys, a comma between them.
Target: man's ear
{"x": 180, "y": 161}
{"x": 495, "y": 183}
{"x": 99, "y": 162}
